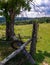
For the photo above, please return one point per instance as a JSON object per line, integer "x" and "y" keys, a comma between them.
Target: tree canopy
{"x": 16, "y": 5}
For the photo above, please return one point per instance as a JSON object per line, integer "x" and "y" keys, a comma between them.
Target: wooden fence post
{"x": 34, "y": 38}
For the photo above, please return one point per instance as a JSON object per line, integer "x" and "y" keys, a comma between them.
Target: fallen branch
{"x": 14, "y": 53}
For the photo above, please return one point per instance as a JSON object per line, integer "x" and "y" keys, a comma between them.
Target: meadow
{"x": 43, "y": 41}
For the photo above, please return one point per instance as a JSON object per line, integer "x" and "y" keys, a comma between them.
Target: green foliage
{"x": 13, "y": 6}
{"x": 16, "y": 5}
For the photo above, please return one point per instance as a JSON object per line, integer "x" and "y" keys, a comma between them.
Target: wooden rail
{"x": 18, "y": 51}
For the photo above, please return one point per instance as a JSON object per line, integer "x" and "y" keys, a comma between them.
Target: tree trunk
{"x": 34, "y": 38}
{"x": 10, "y": 26}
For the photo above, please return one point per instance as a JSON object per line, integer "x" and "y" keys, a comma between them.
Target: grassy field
{"x": 43, "y": 43}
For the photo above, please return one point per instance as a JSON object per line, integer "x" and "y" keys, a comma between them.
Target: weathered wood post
{"x": 34, "y": 38}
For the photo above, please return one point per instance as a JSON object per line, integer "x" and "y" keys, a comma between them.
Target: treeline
{"x": 43, "y": 20}
{"x": 40, "y": 20}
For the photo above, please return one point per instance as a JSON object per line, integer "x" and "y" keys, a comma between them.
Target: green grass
{"x": 43, "y": 44}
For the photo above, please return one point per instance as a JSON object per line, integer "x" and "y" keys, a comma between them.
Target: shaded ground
{"x": 40, "y": 57}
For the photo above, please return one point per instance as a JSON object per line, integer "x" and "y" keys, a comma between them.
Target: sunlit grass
{"x": 43, "y": 44}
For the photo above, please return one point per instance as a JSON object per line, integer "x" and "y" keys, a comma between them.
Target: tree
{"x": 10, "y": 9}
